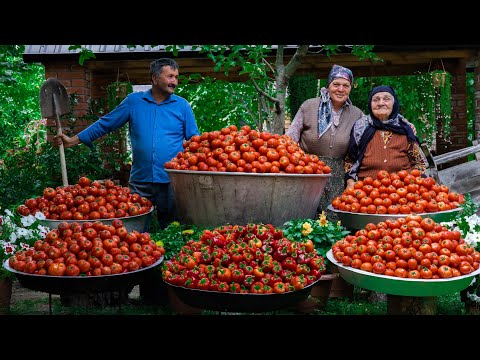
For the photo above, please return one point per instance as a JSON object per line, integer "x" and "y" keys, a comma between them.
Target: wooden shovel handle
{"x": 63, "y": 164}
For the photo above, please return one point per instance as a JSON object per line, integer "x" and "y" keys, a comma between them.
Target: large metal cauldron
{"x": 218, "y": 198}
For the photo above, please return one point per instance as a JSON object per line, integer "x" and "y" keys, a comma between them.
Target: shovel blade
{"x": 54, "y": 98}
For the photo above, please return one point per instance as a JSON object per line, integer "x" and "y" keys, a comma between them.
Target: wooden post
{"x": 410, "y": 305}
{"x": 319, "y": 295}
{"x": 340, "y": 288}
{"x": 5, "y": 295}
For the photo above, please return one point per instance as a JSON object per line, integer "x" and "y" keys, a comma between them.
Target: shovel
{"x": 54, "y": 101}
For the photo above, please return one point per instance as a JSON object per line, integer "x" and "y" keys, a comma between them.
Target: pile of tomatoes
{"x": 410, "y": 247}
{"x": 255, "y": 258}
{"x": 246, "y": 150}
{"x": 402, "y": 192}
{"x": 86, "y": 200}
{"x": 90, "y": 249}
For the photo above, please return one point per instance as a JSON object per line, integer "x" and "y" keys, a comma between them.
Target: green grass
{"x": 446, "y": 305}
{"x": 41, "y": 307}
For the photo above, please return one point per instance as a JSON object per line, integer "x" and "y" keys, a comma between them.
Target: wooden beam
{"x": 393, "y": 64}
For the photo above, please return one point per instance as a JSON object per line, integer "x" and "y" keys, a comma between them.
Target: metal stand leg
{"x": 120, "y": 300}
{"x": 50, "y": 303}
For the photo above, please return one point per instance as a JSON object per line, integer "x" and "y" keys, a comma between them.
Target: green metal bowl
{"x": 358, "y": 220}
{"x": 401, "y": 286}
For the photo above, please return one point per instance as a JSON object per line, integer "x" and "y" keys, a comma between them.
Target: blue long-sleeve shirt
{"x": 157, "y": 132}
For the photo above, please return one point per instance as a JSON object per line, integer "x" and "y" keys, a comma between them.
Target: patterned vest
{"x": 334, "y": 143}
{"x": 391, "y": 157}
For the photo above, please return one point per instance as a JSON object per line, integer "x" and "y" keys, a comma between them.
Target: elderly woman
{"x": 322, "y": 126}
{"x": 382, "y": 140}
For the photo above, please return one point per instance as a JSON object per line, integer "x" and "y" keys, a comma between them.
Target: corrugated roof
{"x": 123, "y": 49}
{"x": 105, "y": 49}
{"x": 98, "y": 49}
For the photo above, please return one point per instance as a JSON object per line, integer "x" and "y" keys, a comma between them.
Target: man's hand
{"x": 67, "y": 141}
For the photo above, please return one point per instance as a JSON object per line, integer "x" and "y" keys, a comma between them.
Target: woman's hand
{"x": 350, "y": 183}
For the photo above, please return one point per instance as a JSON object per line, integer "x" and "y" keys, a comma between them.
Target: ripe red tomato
{"x": 378, "y": 267}
{"x": 445, "y": 271}
{"x": 31, "y": 203}
{"x": 84, "y": 181}
{"x": 72, "y": 270}
{"x": 23, "y": 210}
{"x": 56, "y": 269}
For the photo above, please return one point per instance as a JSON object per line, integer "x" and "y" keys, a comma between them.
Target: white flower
{"x": 472, "y": 238}
{"x": 474, "y": 222}
{"x": 7, "y": 221}
{"x": 40, "y": 215}
{"x": 7, "y": 247}
{"x": 469, "y": 227}
{"x": 449, "y": 224}
{"x": 43, "y": 231}
{"x": 20, "y": 230}
{"x": 28, "y": 220}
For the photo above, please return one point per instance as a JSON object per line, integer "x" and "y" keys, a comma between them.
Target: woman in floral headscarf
{"x": 322, "y": 126}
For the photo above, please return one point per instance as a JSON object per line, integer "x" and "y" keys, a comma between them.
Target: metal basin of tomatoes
{"x": 82, "y": 284}
{"x": 211, "y": 198}
{"x": 402, "y": 286}
{"x": 358, "y": 220}
{"x": 239, "y": 302}
{"x": 136, "y": 222}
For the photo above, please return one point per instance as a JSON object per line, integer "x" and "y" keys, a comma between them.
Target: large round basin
{"x": 136, "y": 222}
{"x": 218, "y": 198}
{"x": 402, "y": 286}
{"x": 358, "y": 221}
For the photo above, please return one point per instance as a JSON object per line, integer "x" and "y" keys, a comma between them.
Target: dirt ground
{"x": 21, "y": 294}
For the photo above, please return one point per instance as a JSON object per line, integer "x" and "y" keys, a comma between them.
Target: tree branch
{"x": 269, "y": 65}
{"x": 250, "y": 112}
{"x": 271, "y": 98}
{"x": 296, "y": 60}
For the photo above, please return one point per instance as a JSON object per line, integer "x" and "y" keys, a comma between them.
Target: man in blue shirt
{"x": 159, "y": 121}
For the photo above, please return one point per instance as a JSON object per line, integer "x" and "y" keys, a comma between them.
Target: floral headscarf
{"x": 339, "y": 72}
{"x": 325, "y": 110}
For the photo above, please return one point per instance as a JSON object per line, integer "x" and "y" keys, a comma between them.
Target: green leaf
{"x": 86, "y": 54}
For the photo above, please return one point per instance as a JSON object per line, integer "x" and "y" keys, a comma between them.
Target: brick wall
{"x": 458, "y": 138}
{"x": 76, "y": 79}
{"x": 477, "y": 98}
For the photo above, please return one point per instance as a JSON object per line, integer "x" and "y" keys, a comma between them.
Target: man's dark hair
{"x": 156, "y": 66}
